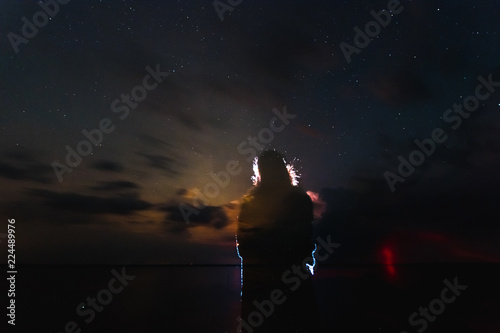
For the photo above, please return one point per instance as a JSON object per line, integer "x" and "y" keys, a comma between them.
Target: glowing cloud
{"x": 319, "y": 204}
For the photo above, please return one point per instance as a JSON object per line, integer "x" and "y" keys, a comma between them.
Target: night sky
{"x": 219, "y": 83}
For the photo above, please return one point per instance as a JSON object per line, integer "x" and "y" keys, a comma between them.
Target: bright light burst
{"x": 294, "y": 175}
{"x": 292, "y": 172}
{"x": 256, "y": 173}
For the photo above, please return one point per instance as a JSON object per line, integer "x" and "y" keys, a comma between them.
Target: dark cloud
{"x": 189, "y": 121}
{"x": 158, "y": 161}
{"x": 20, "y": 165}
{"x": 18, "y": 155}
{"x": 209, "y": 216}
{"x": 477, "y": 135}
{"x": 115, "y": 186}
{"x": 45, "y": 214}
{"x": 121, "y": 204}
{"x": 473, "y": 146}
{"x": 399, "y": 88}
{"x": 105, "y": 165}
{"x": 153, "y": 141}
{"x": 286, "y": 43}
{"x": 181, "y": 98}
{"x": 363, "y": 221}
{"x": 181, "y": 191}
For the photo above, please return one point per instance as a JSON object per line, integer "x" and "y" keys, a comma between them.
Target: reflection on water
{"x": 207, "y": 298}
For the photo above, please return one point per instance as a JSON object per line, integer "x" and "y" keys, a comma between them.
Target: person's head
{"x": 272, "y": 169}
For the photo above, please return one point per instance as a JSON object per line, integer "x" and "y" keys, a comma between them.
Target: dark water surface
{"x": 207, "y": 298}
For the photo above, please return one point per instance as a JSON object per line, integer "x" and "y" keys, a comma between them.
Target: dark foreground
{"x": 206, "y": 298}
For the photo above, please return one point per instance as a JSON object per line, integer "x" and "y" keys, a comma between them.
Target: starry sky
{"x": 224, "y": 82}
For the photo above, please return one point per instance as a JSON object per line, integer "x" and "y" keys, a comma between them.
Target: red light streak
{"x": 389, "y": 261}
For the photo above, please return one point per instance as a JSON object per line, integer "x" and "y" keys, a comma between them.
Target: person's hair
{"x": 271, "y": 170}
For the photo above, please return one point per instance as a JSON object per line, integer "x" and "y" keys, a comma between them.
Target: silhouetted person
{"x": 274, "y": 237}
